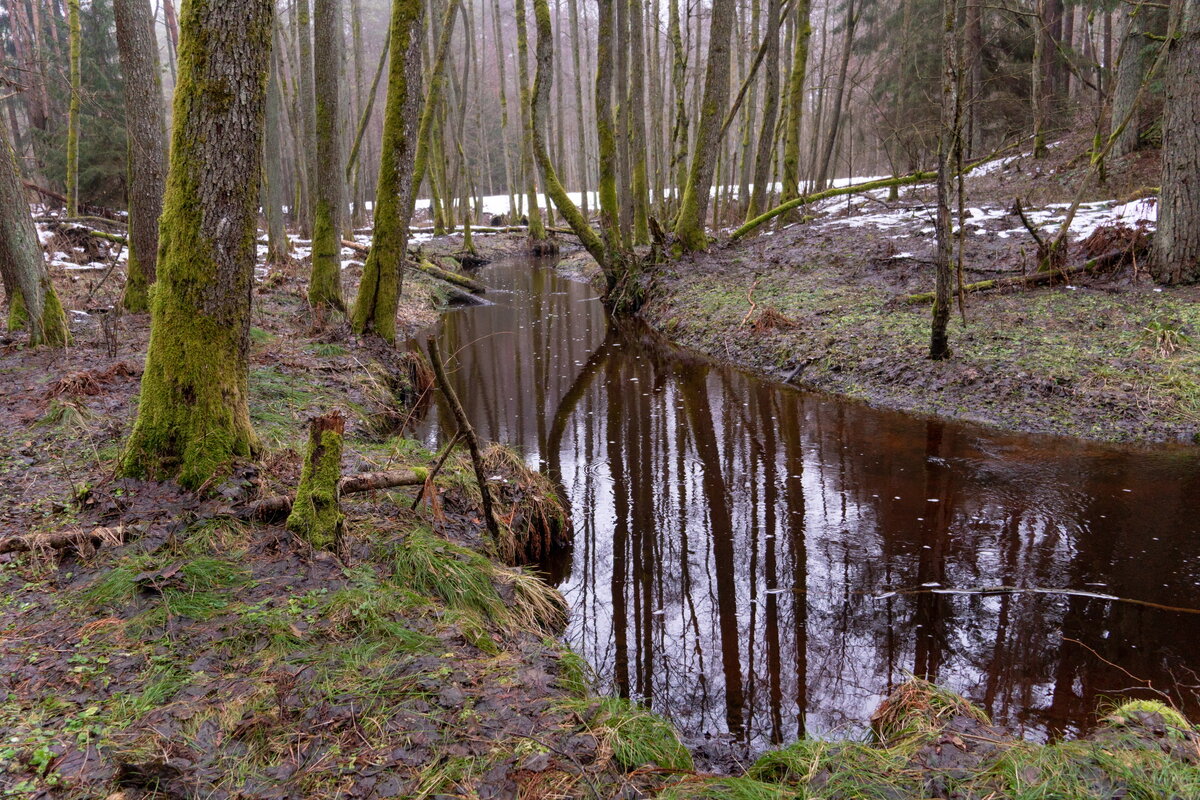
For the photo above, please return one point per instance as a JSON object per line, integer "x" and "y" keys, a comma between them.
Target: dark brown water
{"x": 759, "y": 563}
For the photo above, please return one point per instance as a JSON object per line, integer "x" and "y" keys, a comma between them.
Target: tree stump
{"x": 316, "y": 512}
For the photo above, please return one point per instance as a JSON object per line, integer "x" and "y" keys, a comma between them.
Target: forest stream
{"x": 759, "y": 563}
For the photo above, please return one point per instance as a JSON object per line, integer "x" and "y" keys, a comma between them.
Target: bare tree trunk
{"x": 306, "y": 100}
{"x": 537, "y": 231}
{"x": 1177, "y": 243}
{"x": 581, "y": 145}
{"x": 679, "y": 136}
{"x": 509, "y": 178}
{"x": 146, "y": 127}
{"x": 939, "y": 345}
{"x": 1040, "y": 77}
{"x": 1132, "y": 64}
{"x": 974, "y": 89}
{"x": 766, "y": 138}
{"x": 272, "y": 192}
{"x": 835, "y": 122}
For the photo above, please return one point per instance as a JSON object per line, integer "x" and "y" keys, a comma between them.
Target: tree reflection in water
{"x": 738, "y": 543}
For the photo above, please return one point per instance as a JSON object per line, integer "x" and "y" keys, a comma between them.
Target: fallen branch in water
{"x": 1094, "y": 265}
{"x": 62, "y": 540}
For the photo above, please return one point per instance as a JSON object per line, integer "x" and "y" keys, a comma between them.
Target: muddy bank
{"x": 821, "y": 304}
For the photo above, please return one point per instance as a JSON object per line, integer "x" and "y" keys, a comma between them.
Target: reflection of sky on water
{"x": 732, "y": 536}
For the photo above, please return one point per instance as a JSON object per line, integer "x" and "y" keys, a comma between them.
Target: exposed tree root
{"x": 62, "y": 540}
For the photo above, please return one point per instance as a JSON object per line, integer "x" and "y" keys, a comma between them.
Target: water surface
{"x": 759, "y": 563}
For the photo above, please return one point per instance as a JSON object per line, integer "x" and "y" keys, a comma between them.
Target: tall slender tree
{"x": 379, "y": 291}
{"x": 939, "y": 344}
{"x": 537, "y": 230}
{"x": 76, "y": 36}
{"x": 801, "y": 32}
{"x": 193, "y": 417}
{"x": 325, "y": 283}
{"x": 146, "y": 128}
{"x": 689, "y": 225}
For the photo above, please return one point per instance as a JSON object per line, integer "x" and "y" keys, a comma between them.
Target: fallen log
{"x": 68, "y": 227}
{"x": 273, "y": 509}
{"x": 882, "y": 183}
{"x": 98, "y": 211}
{"x": 1035, "y": 279}
{"x": 62, "y": 540}
{"x": 422, "y": 264}
{"x": 433, "y": 270}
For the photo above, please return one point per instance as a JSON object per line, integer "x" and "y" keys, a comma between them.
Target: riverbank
{"x": 178, "y": 650}
{"x": 823, "y": 305}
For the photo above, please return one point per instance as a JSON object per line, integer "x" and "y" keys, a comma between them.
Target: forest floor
{"x": 182, "y": 651}
{"x": 1109, "y": 356}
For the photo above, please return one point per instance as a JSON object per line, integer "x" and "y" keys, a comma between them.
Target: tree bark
{"x": 939, "y": 345}
{"x": 32, "y": 300}
{"x": 325, "y": 283}
{"x": 795, "y": 104}
{"x": 1177, "y": 242}
{"x": 193, "y": 417}
{"x": 764, "y": 155}
{"x": 379, "y": 292}
{"x": 689, "y": 225}
{"x": 306, "y": 100}
{"x": 73, "y": 111}
{"x": 537, "y": 230}
{"x": 272, "y": 191}
{"x": 637, "y": 129}
{"x": 1131, "y": 67}
{"x": 316, "y": 513}
{"x": 146, "y": 126}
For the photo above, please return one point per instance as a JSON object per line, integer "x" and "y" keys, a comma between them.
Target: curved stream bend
{"x": 746, "y": 554}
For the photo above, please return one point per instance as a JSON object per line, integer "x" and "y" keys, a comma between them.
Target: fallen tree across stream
{"x": 423, "y": 264}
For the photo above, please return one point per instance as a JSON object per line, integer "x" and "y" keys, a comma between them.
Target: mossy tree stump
{"x": 317, "y": 512}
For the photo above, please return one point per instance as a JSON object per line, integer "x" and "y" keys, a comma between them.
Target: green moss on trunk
{"x": 193, "y": 417}
{"x": 325, "y": 283}
{"x": 316, "y": 512}
{"x": 379, "y": 291}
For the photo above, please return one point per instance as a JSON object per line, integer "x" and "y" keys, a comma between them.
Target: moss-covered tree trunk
{"x": 316, "y": 511}
{"x": 689, "y": 225}
{"x": 379, "y": 291}
{"x": 31, "y": 299}
{"x": 325, "y": 282}
{"x": 75, "y": 29}
{"x": 801, "y": 32}
{"x": 193, "y": 417}
{"x": 146, "y": 127}
{"x": 433, "y": 99}
{"x": 637, "y": 129}
{"x": 537, "y": 230}
{"x": 764, "y": 157}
